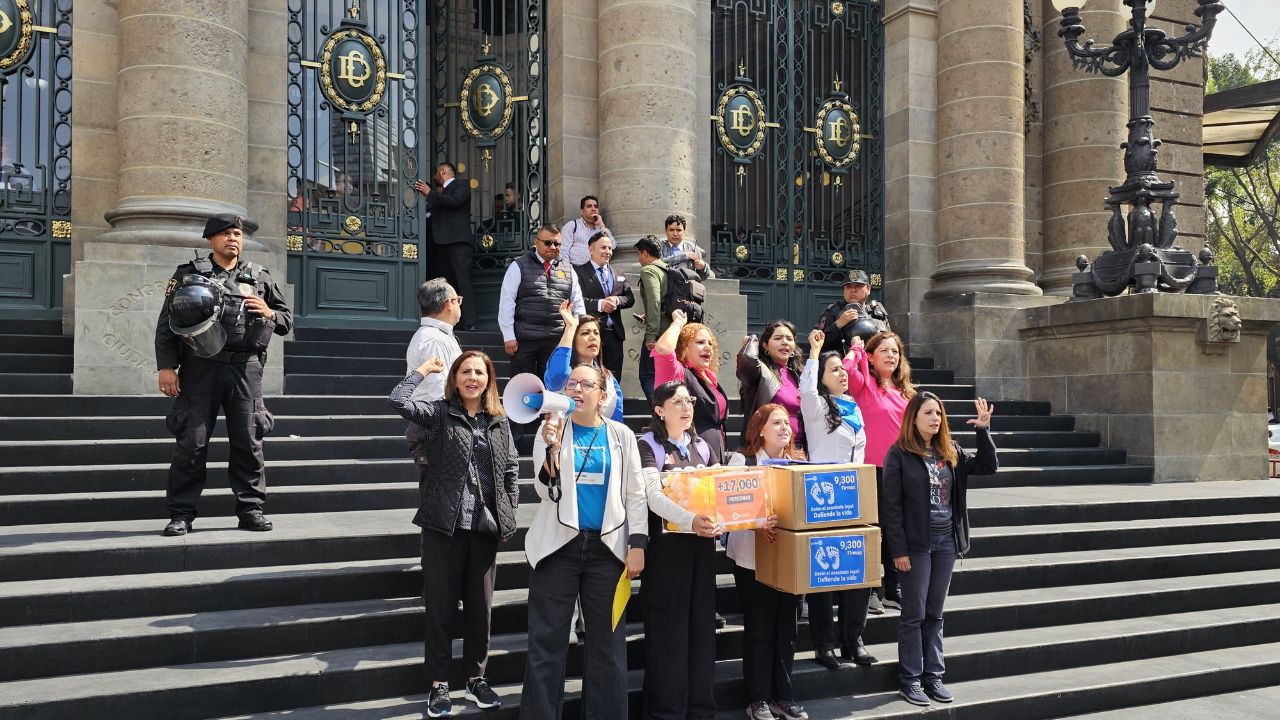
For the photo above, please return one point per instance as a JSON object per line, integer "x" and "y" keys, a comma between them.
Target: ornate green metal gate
{"x": 379, "y": 92}
{"x": 35, "y": 157}
{"x": 798, "y": 167}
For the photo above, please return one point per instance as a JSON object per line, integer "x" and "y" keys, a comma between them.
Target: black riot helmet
{"x": 864, "y": 327}
{"x": 195, "y": 313}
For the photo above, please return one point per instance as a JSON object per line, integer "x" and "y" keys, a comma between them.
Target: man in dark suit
{"x": 450, "y": 245}
{"x": 605, "y": 293}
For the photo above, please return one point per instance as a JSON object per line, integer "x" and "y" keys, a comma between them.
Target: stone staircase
{"x": 1088, "y": 588}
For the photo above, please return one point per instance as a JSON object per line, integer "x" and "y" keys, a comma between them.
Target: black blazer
{"x": 592, "y": 293}
{"x": 450, "y": 213}
{"x": 904, "y": 506}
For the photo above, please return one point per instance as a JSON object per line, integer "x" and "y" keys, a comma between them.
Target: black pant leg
{"x": 437, "y": 260}
{"x": 612, "y": 353}
{"x": 853, "y": 616}
{"x": 666, "y": 587}
{"x": 754, "y": 650}
{"x": 822, "y": 633}
{"x": 604, "y": 675}
{"x": 459, "y": 274}
{"x": 702, "y": 630}
{"x": 248, "y": 422}
{"x": 553, "y": 590}
{"x": 192, "y": 420}
{"x": 782, "y": 608}
{"x": 444, "y": 561}
{"x": 477, "y": 600}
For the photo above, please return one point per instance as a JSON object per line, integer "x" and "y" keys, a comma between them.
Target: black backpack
{"x": 685, "y": 291}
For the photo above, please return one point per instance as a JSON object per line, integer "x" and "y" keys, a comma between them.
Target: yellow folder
{"x": 621, "y": 595}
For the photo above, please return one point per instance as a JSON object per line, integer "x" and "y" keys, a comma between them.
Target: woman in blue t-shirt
{"x": 580, "y": 344}
{"x": 591, "y": 526}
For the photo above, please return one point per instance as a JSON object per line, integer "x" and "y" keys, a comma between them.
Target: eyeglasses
{"x": 456, "y": 297}
{"x": 682, "y": 402}
{"x": 575, "y": 384}
{"x": 550, "y": 243}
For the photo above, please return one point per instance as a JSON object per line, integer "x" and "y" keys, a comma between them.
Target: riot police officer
{"x": 854, "y": 316}
{"x": 218, "y": 316}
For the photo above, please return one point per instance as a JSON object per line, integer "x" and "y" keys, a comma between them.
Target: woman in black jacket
{"x": 467, "y": 505}
{"x": 925, "y": 521}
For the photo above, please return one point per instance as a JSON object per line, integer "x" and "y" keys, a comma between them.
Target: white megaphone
{"x": 525, "y": 398}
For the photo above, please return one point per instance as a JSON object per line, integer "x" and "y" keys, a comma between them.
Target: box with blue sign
{"x": 808, "y": 497}
{"x": 820, "y": 560}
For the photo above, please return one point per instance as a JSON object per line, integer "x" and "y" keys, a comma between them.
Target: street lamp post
{"x": 1143, "y": 255}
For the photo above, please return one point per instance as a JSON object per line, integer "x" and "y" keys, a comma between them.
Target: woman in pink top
{"x": 769, "y": 372}
{"x": 688, "y": 352}
{"x": 880, "y": 382}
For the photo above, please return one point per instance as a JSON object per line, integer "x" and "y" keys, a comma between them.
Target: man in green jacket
{"x": 653, "y": 286}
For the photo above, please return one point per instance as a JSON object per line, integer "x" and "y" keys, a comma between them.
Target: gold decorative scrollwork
{"x": 837, "y": 8}
{"x": 24, "y": 28}
{"x": 409, "y": 251}
{"x": 741, "y": 253}
{"x": 837, "y": 258}
{"x": 293, "y": 243}
{"x": 781, "y": 274}
{"x": 355, "y": 70}
{"x": 352, "y": 224}
{"x": 876, "y": 280}
{"x": 746, "y": 121}
{"x": 843, "y": 133}
{"x": 486, "y": 101}
{"x": 487, "y": 242}
{"x": 797, "y": 275}
{"x": 61, "y": 228}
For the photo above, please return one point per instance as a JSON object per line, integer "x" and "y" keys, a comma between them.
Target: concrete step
{"x": 1053, "y": 694}
{"x": 35, "y": 363}
{"x": 19, "y": 343}
{"x": 64, "y": 405}
{"x": 12, "y": 326}
{"x": 1237, "y": 705}
{"x": 29, "y": 382}
{"x": 1059, "y": 475}
{"x": 30, "y": 552}
{"x": 364, "y": 365}
{"x": 134, "y": 477}
{"x": 122, "y": 427}
{"x": 45, "y": 452}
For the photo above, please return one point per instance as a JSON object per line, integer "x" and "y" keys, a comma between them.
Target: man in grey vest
{"x": 529, "y": 309}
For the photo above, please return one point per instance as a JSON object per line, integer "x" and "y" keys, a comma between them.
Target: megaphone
{"x": 525, "y": 398}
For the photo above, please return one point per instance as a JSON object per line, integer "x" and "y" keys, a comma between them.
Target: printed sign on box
{"x": 831, "y": 496}
{"x": 737, "y": 498}
{"x": 839, "y": 560}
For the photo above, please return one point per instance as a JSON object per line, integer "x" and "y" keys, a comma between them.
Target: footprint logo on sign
{"x": 834, "y": 554}
{"x": 815, "y": 492}
{"x": 830, "y": 489}
{"x": 820, "y": 557}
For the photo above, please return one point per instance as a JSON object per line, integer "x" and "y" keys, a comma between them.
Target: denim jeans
{"x": 647, "y": 373}
{"x": 924, "y": 591}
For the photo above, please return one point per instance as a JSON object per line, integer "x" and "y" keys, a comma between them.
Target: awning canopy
{"x": 1240, "y": 123}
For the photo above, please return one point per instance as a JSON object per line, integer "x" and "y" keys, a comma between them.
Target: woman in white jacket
{"x": 833, "y": 425}
{"x": 592, "y": 522}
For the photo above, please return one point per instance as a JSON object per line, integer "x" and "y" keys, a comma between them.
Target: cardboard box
{"x": 820, "y": 560}
{"x": 737, "y": 497}
{"x": 808, "y": 497}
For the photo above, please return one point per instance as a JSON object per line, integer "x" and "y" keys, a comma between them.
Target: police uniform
{"x": 230, "y": 380}
{"x": 838, "y": 338}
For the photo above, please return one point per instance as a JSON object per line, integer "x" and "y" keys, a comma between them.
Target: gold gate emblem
{"x": 743, "y": 120}
{"x": 486, "y": 99}
{"x": 347, "y": 68}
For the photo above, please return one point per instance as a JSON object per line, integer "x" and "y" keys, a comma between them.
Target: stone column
{"x": 980, "y": 150}
{"x": 1084, "y": 124}
{"x": 182, "y": 115}
{"x": 182, "y": 109}
{"x": 649, "y": 109}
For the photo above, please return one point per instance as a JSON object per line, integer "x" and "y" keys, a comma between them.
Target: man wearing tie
{"x": 529, "y": 308}
{"x": 450, "y": 245}
{"x": 605, "y": 293}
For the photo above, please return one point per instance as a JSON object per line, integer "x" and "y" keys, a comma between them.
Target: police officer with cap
{"x": 841, "y": 321}
{"x": 218, "y": 316}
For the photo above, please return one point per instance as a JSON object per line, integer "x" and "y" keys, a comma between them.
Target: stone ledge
{"x": 1101, "y": 315}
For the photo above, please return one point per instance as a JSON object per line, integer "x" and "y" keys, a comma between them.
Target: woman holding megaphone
{"x": 591, "y": 524}
{"x": 468, "y": 497}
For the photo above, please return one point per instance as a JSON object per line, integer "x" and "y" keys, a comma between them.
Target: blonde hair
{"x": 901, "y": 377}
{"x": 688, "y": 333}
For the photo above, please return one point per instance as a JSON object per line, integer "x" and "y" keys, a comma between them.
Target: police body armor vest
{"x": 246, "y": 333}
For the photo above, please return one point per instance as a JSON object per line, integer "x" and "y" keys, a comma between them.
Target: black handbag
{"x": 486, "y": 524}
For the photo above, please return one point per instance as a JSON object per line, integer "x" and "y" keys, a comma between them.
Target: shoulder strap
{"x": 703, "y": 448}
{"x": 751, "y": 460}
{"x": 659, "y": 452}
{"x": 203, "y": 265}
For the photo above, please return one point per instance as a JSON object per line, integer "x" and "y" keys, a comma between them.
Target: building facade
{"x": 945, "y": 146}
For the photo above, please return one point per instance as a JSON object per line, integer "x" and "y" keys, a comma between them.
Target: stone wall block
{"x": 183, "y": 41}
